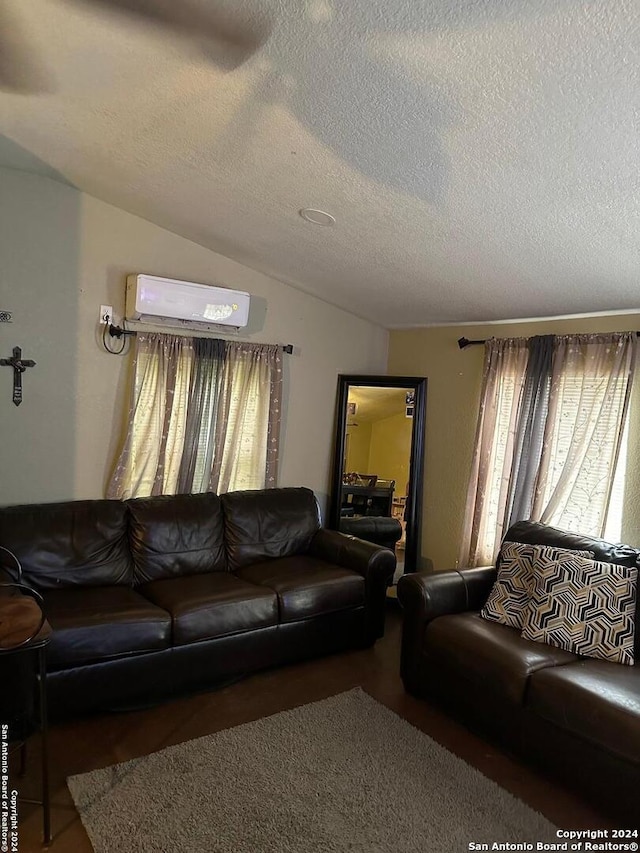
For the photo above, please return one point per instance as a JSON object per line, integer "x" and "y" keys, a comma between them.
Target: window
{"x": 553, "y": 446}
{"x": 204, "y": 416}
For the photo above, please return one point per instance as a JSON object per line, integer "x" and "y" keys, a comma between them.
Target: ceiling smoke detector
{"x": 317, "y": 217}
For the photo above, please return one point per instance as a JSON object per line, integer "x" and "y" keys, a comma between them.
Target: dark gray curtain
{"x": 530, "y": 426}
{"x": 202, "y": 412}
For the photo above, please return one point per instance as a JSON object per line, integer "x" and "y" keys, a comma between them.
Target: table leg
{"x": 44, "y": 729}
{"x": 23, "y": 758}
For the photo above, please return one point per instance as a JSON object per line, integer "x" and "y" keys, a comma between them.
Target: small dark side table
{"x": 24, "y": 635}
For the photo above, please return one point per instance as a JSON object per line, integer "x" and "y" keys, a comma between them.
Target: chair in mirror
{"x": 376, "y": 489}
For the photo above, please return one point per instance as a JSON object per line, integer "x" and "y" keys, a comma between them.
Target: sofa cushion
{"x": 99, "y": 623}
{"x": 268, "y": 524}
{"x": 203, "y": 607}
{"x": 307, "y": 586}
{"x": 584, "y": 606}
{"x": 510, "y": 593}
{"x": 71, "y": 543}
{"x": 595, "y": 700}
{"x": 488, "y": 656}
{"x": 176, "y": 535}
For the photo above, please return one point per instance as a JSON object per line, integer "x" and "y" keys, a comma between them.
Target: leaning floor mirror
{"x": 377, "y": 475}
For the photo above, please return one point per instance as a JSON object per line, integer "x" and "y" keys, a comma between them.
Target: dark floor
{"x": 100, "y": 741}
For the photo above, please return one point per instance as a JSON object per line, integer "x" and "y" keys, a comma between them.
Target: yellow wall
{"x": 382, "y": 447}
{"x": 358, "y": 448}
{"x": 391, "y": 450}
{"x": 454, "y": 383}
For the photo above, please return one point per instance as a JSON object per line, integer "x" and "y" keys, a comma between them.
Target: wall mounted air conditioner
{"x": 184, "y": 304}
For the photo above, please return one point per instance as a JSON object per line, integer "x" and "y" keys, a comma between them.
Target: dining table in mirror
{"x": 377, "y": 474}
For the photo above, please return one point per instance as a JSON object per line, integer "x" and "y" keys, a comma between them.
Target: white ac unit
{"x": 184, "y": 304}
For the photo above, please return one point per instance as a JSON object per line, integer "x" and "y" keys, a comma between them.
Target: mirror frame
{"x": 417, "y": 384}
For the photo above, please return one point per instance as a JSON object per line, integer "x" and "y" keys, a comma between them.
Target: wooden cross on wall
{"x": 19, "y": 365}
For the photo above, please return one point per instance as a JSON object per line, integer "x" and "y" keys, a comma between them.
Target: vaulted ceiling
{"x": 480, "y": 157}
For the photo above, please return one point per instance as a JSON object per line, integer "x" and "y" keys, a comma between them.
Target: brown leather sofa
{"x": 576, "y": 718}
{"x": 152, "y": 597}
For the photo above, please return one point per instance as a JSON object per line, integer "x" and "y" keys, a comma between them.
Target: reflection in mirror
{"x": 377, "y": 475}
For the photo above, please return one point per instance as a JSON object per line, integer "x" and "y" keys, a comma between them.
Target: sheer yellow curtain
{"x": 580, "y": 425}
{"x": 150, "y": 460}
{"x": 502, "y": 381}
{"x": 590, "y": 388}
{"x": 247, "y": 438}
{"x": 204, "y": 415}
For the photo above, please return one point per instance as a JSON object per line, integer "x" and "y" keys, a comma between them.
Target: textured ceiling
{"x": 480, "y": 156}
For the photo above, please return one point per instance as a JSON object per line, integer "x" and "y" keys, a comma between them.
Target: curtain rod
{"x": 118, "y": 332}
{"x": 465, "y": 342}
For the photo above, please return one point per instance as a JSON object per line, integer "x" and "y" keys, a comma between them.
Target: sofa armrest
{"x": 374, "y": 563}
{"x": 424, "y": 597}
{"x": 352, "y": 553}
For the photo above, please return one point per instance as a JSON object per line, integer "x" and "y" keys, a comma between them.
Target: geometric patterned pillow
{"x": 585, "y": 607}
{"x": 511, "y": 591}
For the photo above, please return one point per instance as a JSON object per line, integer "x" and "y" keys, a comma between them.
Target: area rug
{"x": 343, "y": 774}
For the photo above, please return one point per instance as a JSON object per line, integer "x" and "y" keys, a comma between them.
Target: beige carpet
{"x": 344, "y": 774}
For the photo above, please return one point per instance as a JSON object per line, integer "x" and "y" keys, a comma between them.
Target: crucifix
{"x": 19, "y": 365}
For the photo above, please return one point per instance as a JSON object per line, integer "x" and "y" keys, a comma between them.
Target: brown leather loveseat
{"x": 575, "y": 717}
{"x": 152, "y": 597}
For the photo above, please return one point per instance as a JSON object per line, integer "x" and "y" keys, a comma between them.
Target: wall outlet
{"x": 106, "y": 314}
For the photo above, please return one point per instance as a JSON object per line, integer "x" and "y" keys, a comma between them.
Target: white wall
{"x": 65, "y": 253}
